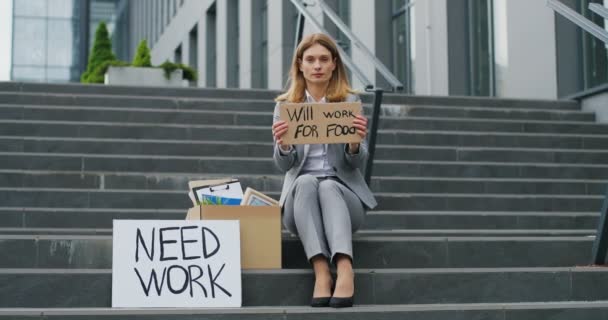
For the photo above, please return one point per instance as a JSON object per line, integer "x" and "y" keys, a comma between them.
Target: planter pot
{"x": 152, "y": 77}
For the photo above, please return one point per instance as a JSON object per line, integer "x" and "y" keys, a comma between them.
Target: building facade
{"x": 52, "y": 38}
{"x": 502, "y": 48}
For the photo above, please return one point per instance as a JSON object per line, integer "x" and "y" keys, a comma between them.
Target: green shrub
{"x": 188, "y": 73}
{"x": 97, "y": 76}
{"x": 100, "y": 54}
{"x": 142, "y": 57}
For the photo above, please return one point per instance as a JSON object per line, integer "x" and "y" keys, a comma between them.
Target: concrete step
{"x": 492, "y": 139}
{"x": 425, "y": 138}
{"x": 248, "y": 113}
{"x": 19, "y": 128}
{"x": 496, "y": 113}
{"x": 496, "y": 220}
{"x": 172, "y": 199}
{"x": 362, "y": 233}
{"x": 41, "y": 217}
{"x": 64, "y": 288}
{"x": 566, "y": 310}
{"x": 95, "y": 251}
{"x": 385, "y": 137}
{"x": 19, "y": 93}
{"x": 274, "y": 183}
{"x": 101, "y": 129}
{"x": 109, "y": 90}
{"x": 235, "y": 166}
{"x": 259, "y": 149}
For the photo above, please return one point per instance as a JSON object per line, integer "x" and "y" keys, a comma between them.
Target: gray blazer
{"x": 347, "y": 166}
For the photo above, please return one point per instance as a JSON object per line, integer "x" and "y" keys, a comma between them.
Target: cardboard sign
{"x": 175, "y": 263}
{"x": 311, "y": 123}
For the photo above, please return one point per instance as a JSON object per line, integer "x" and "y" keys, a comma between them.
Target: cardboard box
{"x": 260, "y": 231}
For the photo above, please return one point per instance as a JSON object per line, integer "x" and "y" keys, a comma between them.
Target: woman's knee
{"x": 305, "y": 182}
{"x": 329, "y": 188}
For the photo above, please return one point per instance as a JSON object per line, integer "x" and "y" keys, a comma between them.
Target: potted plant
{"x": 142, "y": 73}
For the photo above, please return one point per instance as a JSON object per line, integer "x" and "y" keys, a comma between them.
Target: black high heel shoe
{"x": 335, "y": 302}
{"x": 320, "y": 302}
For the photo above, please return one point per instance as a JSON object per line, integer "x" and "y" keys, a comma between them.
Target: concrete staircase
{"x": 487, "y": 208}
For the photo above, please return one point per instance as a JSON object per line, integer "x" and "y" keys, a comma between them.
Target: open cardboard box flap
{"x": 260, "y": 231}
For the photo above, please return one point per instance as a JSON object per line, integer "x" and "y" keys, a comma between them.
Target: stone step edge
{"x": 573, "y": 269}
{"x": 269, "y": 144}
{"x": 549, "y": 305}
{"x": 380, "y": 194}
{"x": 436, "y": 119}
{"x": 77, "y": 92}
{"x": 373, "y": 238}
{"x": 382, "y": 212}
{"x": 280, "y": 176}
{"x": 269, "y": 159}
{"x": 381, "y": 131}
{"x": 250, "y": 112}
{"x": 360, "y": 233}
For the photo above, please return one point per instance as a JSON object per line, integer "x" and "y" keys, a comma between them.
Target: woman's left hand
{"x": 360, "y": 123}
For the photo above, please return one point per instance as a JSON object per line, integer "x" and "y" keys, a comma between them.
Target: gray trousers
{"x": 324, "y": 214}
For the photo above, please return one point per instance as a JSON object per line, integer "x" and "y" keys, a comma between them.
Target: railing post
{"x": 373, "y": 133}
{"x": 299, "y": 30}
{"x": 600, "y": 246}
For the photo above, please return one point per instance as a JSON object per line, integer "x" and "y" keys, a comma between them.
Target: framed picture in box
{"x": 255, "y": 198}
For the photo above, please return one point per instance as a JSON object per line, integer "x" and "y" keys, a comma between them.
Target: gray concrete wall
{"x": 363, "y": 17}
{"x": 525, "y": 47}
{"x": 275, "y": 44}
{"x": 598, "y": 104}
{"x": 245, "y": 9}
{"x": 524, "y": 30}
{"x": 431, "y": 43}
{"x": 177, "y": 33}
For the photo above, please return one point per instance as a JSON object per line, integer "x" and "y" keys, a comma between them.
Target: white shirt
{"x": 316, "y": 163}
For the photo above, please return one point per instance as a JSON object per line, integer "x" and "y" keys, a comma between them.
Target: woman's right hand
{"x": 279, "y": 128}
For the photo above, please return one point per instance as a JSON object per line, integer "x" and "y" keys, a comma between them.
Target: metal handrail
{"x": 345, "y": 58}
{"x": 579, "y": 19}
{"x": 599, "y": 251}
{"x": 388, "y": 75}
{"x": 600, "y": 245}
{"x": 599, "y": 9}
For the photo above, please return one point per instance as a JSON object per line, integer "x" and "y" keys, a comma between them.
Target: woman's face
{"x": 317, "y": 65}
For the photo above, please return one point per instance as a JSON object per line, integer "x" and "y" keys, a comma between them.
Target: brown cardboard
{"x": 310, "y": 123}
{"x": 260, "y": 231}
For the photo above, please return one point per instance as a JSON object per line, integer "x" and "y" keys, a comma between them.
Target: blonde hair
{"x": 338, "y": 87}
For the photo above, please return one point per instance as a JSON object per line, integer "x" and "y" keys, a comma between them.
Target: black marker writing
{"x": 305, "y": 130}
{"x": 302, "y": 114}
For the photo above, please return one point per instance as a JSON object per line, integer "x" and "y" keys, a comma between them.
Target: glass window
{"x": 193, "y": 45}
{"x": 28, "y": 73}
{"x": 232, "y": 34}
{"x": 260, "y": 79}
{"x": 61, "y": 38}
{"x": 62, "y": 9}
{"x": 210, "y": 67}
{"x": 481, "y": 55}
{"x": 178, "y": 54}
{"x": 594, "y": 54}
{"x": 33, "y": 8}
{"x": 29, "y": 47}
{"x": 402, "y": 43}
{"x": 58, "y": 74}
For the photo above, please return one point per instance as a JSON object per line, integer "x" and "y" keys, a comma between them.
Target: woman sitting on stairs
{"x": 324, "y": 195}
